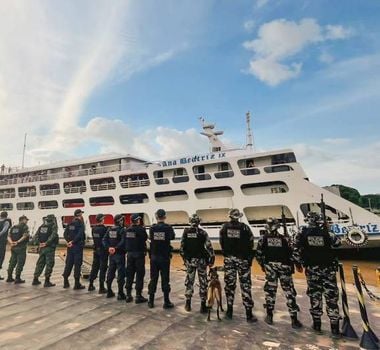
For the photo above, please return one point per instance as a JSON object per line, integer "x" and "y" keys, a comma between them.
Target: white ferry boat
{"x": 260, "y": 184}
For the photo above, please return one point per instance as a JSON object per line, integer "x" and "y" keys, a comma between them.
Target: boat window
{"x": 101, "y": 201}
{"x": 50, "y": 189}
{"x": 224, "y": 171}
{"x": 277, "y": 168}
{"x": 134, "y": 180}
{"x": 134, "y": 198}
{"x": 29, "y": 191}
{"x": 180, "y": 175}
{"x": 331, "y": 212}
{"x": 66, "y": 220}
{"x": 171, "y": 196}
{"x": 177, "y": 218}
{"x": 259, "y": 188}
{"x": 283, "y": 158}
{"x": 199, "y": 172}
{"x": 247, "y": 167}
{"x": 213, "y": 217}
{"x": 108, "y": 220}
{"x": 73, "y": 203}
{"x": 214, "y": 192}
{"x": 159, "y": 178}
{"x": 25, "y": 206}
{"x": 7, "y": 193}
{"x": 74, "y": 187}
{"x": 6, "y": 206}
{"x": 48, "y": 205}
{"x": 258, "y": 215}
{"x": 107, "y": 183}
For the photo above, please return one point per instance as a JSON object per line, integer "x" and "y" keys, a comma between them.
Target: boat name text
{"x": 193, "y": 159}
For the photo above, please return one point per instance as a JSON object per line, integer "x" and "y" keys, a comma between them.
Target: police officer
{"x": 314, "y": 250}
{"x": 197, "y": 253}
{"x": 114, "y": 243}
{"x": 274, "y": 254}
{"x": 47, "y": 239}
{"x": 18, "y": 238}
{"x": 135, "y": 246}
{"x": 100, "y": 255}
{"x": 75, "y": 237}
{"x": 5, "y": 224}
{"x": 236, "y": 242}
{"x": 160, "y": 236}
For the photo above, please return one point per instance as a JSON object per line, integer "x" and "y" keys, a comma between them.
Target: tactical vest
{"x": 135, "y": 239}
{"x": 316, "y": 247}
{"x": 194, "y": 243}
{"x": 276, "y": 249}
{"x": 160, "y": 236}
{"x": 44, "y": 233}
{"x": 237, "y": 240}
{"x": 72, "y": 231}
{"x": 2, "y": 223}
{"x": 98, "y": 233}
{"x": 17, "y": 232}
{"x": 115, "y": 236}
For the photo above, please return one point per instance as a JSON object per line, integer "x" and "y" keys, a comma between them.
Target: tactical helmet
{"x": 313, "y": 218}
{"x": 99, "y": 217}
{"x": 235, "y": 214}
{"x": 194, "y": 220}
{"x": 272, "y": 225}
{"x": 135, "y": 217}
{"x": 118, "y": 219}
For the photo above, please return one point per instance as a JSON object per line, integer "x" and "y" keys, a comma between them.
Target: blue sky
{"x": 87, "y": 77}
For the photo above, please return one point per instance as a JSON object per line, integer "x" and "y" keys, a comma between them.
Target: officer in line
{"x": 314, "y": 250}
{"x": 47, "y": 239}
{"x": 114, "y": 243}
{"x": 236, "y": 242}
{"x": 18, "y": 238}
{"x": 5, "y": 224}
{"x": 160, "y": 235}
{"x": 75, "y": 237}
{"x": 274, "y": 254}
{"x": 135, "y": 246}
{"x": 100, "y": 255}
{"x": 197, "y": 253}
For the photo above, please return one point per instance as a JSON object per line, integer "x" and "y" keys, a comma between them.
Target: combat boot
{"x": 151, "y": 301}
{"x": 203, "y": 309}
{"x": 251, "y": 318}
{"x": 140, "y": 299}
{"x": 36, "y": 281}
{"x": 335, "y": 333}
{"x": 167, "y": 303}
{"x": 47, "y": 283}
{"x": 295, "y": 322}
{"x": 129, "y": 297}
{"x": 269, "y": 317}
{"x": 66, "y": 283}
{"x": 78, "y": 285}
{"x": 18, "y": 280}
{"x": 188, "y": 305}
{"x": 10, "y": 278}
{"x": 317, "y": 324}
{"x": 121, "y": 295}
{"x": 91, "y": 286}
{"x": 110, "y": 293}
{"x": 102, "y": 290}
{"x": 229, "y": 312}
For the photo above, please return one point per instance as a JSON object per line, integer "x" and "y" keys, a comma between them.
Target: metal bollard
{"x": 368, "y": 340}
{"x": 347, "y": 329}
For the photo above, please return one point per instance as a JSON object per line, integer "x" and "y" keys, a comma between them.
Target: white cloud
{"x": 280, "y": 40}
{"x": 261, "y": 3}
{"x": 336, "y": 141}
{"x": 325, "y": 57}
{"x": 249, "y": 25}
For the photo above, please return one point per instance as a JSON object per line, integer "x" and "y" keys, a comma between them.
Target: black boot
{"x": 66, "y": 283}
{"x": 47, "y": 283}
{"x": 151, "y": 301}
{"x": 102, "y": 290}
{"x": 18, "y": 280}
{"x": 269, "y": 317}
{"x": 121, "y": 295}
{"x": 251, "y": 318}
{"x": 36, "y": 281}
{"x": 140, "y": 299}
{"x": 203, "y": 309}
{"x": 335, "y": 333}
{"x": 295, "y": 322}
{"x": 317, "y": 324}
{"x": 110, "y": 293}
{"x": 188, "y": 305}
{"x": 91, "y": 286}
{"x": 78, "y": 285}
{"x": 167, "y": 303}
{"x": 129, "y": 297}
{"x": 229, "y": 312}
{"x": 10, "y": 278}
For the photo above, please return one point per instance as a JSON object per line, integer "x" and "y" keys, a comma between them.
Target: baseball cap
{"x": 135, "y": 217}
{"x": 99, "y": 217}
{"x": 78, "y": 211}
{"x": 23, "y": 217}
{"x": 160, "y": 213}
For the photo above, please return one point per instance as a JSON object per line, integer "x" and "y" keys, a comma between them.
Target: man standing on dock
{"x": 18, "y": 238}
{"x": 160, "y": 236}
{"x": 5, "y": 224}
{"x": 75, "y": 237}
{"x": 236, "y": 242}
{"x": 47, "y": 239}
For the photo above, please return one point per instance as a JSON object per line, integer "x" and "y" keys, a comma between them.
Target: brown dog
{"x": 214, "y": 292}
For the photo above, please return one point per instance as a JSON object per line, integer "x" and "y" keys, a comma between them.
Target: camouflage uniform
{"x": 18, "y": 252}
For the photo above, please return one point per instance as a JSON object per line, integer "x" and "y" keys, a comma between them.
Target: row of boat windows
{"x": 201, "y": 172}
{"x": 262, "y": 188}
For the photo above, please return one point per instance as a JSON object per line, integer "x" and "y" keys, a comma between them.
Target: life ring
{"x": 356, "y": 237}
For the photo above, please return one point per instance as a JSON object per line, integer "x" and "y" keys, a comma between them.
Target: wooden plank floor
{"x": 54, "y": 318}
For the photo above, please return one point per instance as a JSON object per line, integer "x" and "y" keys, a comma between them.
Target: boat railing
{"x": 134, "y": 183}
{"x": 27, "y": 194}
{"x": 103, "y": 187}
{"x": 7, "y": 195}
{"x": 162, "y": 180}
{"x": 75, "y": 189}
{"x": 250, "y": 171}
{"x": 180, "y": 178}
{"x": 223, "y": 174}
{"x": 50, "y": 192}
{"x": 48, "y": 206}
{"x": 203, "y": 176}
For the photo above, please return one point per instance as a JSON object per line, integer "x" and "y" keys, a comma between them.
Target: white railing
{"x": 49, "y": 192}
{"x": 7, "y": 195}
{"x": 48, "y": 206}
{"x": 103, "y": 187}
{"x": 162, "y": 180}
{"x": 75, "y": 189}
{"x": 27, "y": 194}
{"x": 223, "y": 174}
{"x": 134, "y": 183}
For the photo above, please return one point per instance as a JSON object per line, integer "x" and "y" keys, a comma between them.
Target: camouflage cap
{"x": 194, "y": 219}
{"x": 235, "y": 214}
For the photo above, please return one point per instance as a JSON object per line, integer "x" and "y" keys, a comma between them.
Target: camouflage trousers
{"x": 242, "y": 267}
{"x": 192, "y": 266}
{"x": 17, "y": 260}
{"x": 275, "y": 271}
{"x": 322, "y": 281}
{"x": 46, "y": 258}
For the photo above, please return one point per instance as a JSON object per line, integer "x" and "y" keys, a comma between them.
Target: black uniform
{"x": 5, "y": 225}
{"x": 100, "y": 254}
{"x": 74, "y": 233}
{"x": 115, "y": 238}
{"x": 160, "y": 236}
{"x": 135, "y": 246}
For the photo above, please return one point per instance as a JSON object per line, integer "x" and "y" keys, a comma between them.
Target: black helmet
{"x": 313, "y": 218}
{"x": 118, "y": 219}
{"x": 99, "y": 217}
{"x": 78, "y": 212}
{"x": 272, "y": 225}
{"x": 194, "y": 220}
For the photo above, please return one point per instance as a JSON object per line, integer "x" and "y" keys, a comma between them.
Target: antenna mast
{"x": 249, "y": 144}
{"x": 23, "y": 152}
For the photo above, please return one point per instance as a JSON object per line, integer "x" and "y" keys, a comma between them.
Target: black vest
{"x": 115, "y": 236}
{"x": 160, "y": 236}
{"x": 276, "y": 249}
{"x": 237, "y": 240}
{"x": 72, "y": 230}
{"x": 135, "y": 239}
{"x": 44, "y": 233}
{"x": 194, "y": 240}
{"x": 2, "y": 223}
{"x": 316, "y": 247}
{"x": 98, "y": 233}
{"x": 17, "y": 232}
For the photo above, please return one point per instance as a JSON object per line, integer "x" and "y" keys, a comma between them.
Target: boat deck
{"x": 54, "y": 318}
